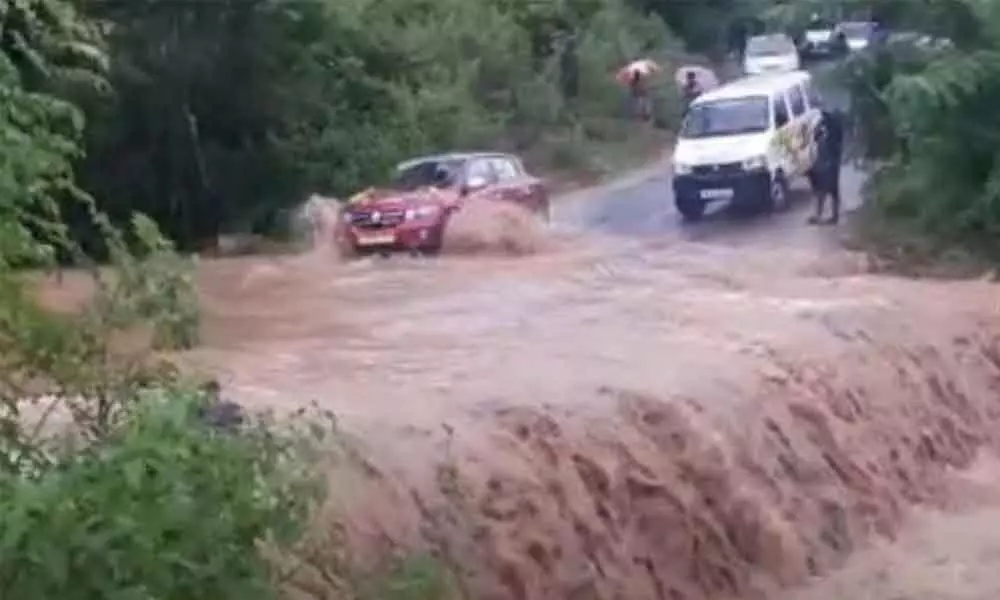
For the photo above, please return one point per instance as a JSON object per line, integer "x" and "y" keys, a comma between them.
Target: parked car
{"x": 858, "y": 35}
{"x": 412, "y": 211}
{"x": 820, "y": 40}
{"x": 773, "y": 53}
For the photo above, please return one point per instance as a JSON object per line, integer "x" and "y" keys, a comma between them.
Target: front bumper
{"x": 737, "y": 187}
{"x": 395, "y": 232}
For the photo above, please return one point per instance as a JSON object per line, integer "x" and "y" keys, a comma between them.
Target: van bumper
{"x": 746, "y": 188}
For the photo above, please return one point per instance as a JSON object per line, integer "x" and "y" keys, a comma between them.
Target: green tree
{"x": 932, "y": 129}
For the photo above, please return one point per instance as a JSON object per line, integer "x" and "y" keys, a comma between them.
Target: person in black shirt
{"x": 692, "y": 87}
{"x": 824, "y": 177}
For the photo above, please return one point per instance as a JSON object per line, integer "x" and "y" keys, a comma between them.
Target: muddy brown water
{"x": 606, "y": 418}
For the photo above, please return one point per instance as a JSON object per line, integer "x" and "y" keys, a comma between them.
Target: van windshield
{"x": 727, "y": 117}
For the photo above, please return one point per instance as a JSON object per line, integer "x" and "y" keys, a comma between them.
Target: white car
{"x": 775, "y": 53}
{"x": 857, "y": 34}
{"x": 819, "y": 40}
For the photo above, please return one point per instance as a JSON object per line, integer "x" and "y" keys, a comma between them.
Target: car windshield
{"x": 431, "y": 172}
{"x": 775, "y": 45}
{"x": 856, "y": 30}
{"x": 727, "y": 117}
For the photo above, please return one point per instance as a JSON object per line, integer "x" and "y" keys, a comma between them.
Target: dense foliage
{"x": 224, "y": 112}
{"x": 164, "y": 508}
{"x": 927, "y": 112}
{"x": 109, "y": 485}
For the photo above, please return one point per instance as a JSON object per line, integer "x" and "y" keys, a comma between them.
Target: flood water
{"x": 669, "y": 416}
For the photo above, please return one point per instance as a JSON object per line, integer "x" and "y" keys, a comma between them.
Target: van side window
{"x": 797, "y": 100}
{"x": 780, "y": 111}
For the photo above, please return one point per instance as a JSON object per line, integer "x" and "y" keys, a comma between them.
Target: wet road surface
{"x": 646, "y": 208}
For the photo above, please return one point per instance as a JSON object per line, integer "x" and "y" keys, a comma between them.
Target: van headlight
{"x": 755, "y": 162}
{"x": 681, "y": 169}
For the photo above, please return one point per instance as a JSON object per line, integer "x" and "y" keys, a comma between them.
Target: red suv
{"x": 412, "y": 212}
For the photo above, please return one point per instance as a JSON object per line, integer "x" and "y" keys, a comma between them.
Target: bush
{"x": 165, "y": 508}
{"x": 928, "y": 119}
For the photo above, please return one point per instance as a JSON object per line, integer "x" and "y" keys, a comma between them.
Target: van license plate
{"x": 716, "y": 194}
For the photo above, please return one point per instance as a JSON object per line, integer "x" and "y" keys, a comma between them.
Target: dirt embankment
{"x": 681, "y": 423}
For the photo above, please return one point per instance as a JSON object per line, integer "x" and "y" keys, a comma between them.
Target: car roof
{"x": 774, "y": 40}
{"x": 451, "y": 156}
{"x": 754, "y": 85}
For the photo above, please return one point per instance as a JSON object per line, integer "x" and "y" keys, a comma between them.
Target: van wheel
{"x": 778, "y": 199}
{"x": 691, "y": 209}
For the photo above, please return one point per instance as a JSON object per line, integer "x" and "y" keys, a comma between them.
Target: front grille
{"x": 373, "y": 219}
{"x": 719, "y": 169}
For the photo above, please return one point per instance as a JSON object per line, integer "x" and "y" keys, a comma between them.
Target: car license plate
{"x": 376, "y": 239}
{"x": 716, "y": 194}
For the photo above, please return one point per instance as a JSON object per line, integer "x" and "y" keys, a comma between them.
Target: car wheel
{"x": 691, "y": 209}
{"x": 777, "y": 196}
{"x": 437, "y": 242}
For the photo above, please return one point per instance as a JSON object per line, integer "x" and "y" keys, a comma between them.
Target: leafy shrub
{"x": 164, "y": 508}
{"x": 927, "y": 112}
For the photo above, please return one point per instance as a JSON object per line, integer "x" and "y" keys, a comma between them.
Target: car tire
{"x": 778, "y": 199}
{"x": 434, "y": 248}
{"x": 691, "y": 209}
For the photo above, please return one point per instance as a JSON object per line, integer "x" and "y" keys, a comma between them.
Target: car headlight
{"x": 421, "y": 212}
{"x": 755, "y": 162}
{"x": 347, "y": 217}
{"x": 681, "y": 169}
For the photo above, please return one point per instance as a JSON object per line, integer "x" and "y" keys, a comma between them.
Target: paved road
{"x": 646, "y": 208}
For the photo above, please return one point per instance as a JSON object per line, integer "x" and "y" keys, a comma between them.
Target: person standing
{"x": 824, "y": 176}
{"x": 639, "y": 87}
{"x": 692, "y": 87}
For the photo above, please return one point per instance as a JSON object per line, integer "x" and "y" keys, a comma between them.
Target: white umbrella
{"x": 645, "y": 67}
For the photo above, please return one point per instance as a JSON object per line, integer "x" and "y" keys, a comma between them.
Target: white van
{"x": 745, "y": 143}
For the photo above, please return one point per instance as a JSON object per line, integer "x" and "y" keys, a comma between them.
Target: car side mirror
{"x": 474, "y": 184}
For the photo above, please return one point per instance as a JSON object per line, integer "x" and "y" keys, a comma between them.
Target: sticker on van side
{"x": 795, "y": 142}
